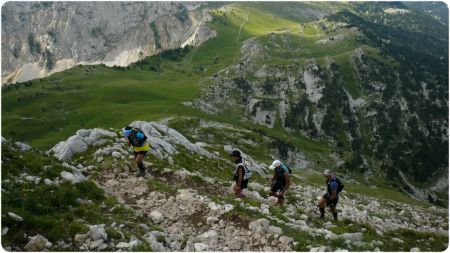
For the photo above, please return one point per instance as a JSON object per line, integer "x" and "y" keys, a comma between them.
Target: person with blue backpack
{"x": 138, "y": 140}
{"x": 331, "y": 197}
{"x": 281, "y": 180}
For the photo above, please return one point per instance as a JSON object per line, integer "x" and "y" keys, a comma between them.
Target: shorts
{"x": 143, "y": 153}
{"x": 330, "y": 202}
{"x": 244, "y": 183}
{"x": 277, "y": 187}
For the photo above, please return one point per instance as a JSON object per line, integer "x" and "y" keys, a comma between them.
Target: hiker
{"x": 241, "y": 174}
{"x": 138, "y": 140}
{"x": 281, "y": 180}
{"x": 331, "y": 197}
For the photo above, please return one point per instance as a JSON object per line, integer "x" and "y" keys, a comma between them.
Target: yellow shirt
{"x": 145, "y": 147}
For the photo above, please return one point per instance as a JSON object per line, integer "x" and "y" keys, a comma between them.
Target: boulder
{"x": 38, "y": 243}
{"x": 414, "y": 250}
{"x": 285, "y": 239}
{"x": 5, "y": 230}
{"x": 210, "y": 238}
{"x": 354, "y": 237}
{"x": 212, "y": 220}
{"x": 22, "y": 146}
{"x": 81, "y": 237}
{"x": 275, "y": 230}
{"x": 97, "y": 232}
{"x": 64, "y": 150}
{"x": 123, "y": 245}
{"x": 15, "y": 216}
{"x": 395, "y": 239}
{"x": 83, "y": 132}
{"x": 116, "y": 154}
{"x": 96, "y": 243}
{"x": 74, "y": 178}
{"x": 156, "y": 216}
{"x": 321, "y": 249}
{"x": 235, "y": 244}
{"x": 200, "y": 247}
{"x": 259, "y": 226}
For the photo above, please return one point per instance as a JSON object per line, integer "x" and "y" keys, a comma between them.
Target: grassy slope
{"x": 98, "y": 96}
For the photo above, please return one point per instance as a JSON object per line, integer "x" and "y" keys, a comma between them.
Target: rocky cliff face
{"x": 370, "y": 95}
{"x": 42, "y": 38}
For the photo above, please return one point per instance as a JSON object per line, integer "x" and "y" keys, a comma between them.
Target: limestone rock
{"x": 156, "y": 216}
{"x": 38, "y": 243}
{"x": 15, "y": 216}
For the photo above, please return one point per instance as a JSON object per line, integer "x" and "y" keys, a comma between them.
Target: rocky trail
{"x": 188, "y": 210}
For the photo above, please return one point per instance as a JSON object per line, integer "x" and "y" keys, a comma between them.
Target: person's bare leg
{"x": 322, "y": 204}
{"x": 140, "y": 164}
{"x": 333, "y": 211}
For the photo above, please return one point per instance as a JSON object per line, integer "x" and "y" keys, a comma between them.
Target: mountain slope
{"x": 57, "y": 36}
{"x": 185, "y": 204}
{"x": 348, "y": 87}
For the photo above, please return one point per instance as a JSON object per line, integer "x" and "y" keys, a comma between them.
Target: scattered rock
{"x": 22, "y": 146}
{"x": 212, "y": 220}
{"x": 15, "y": 216}
{"x": 395, "y": 239}
{"x": 5, "y": 230}
{"x": 38, "y": 243}
{"x": 275, "y": 230}
{"x": 285, "y": 239}
{"x": 321, "y": 249}
{"x": 235, "y": 244}
{"x": 259, "y": 226}
{"x": 123, "y": 245}
{"x": 156, "y": 216}
{"x": 98, "y": 232}
{"x": 354, "y": 237}
{"x": 73, "y": 178}
{"x": 200, "y": 247}
{"x": 81, "y": 237}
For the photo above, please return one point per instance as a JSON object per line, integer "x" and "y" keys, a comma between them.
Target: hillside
{"x": 56, "y": 36}
{"x": 342, "y": 86}
{"x": 95, "y": 202}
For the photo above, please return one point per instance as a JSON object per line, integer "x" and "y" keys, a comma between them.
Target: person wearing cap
{"x": 281, "y": 181}
{"x": 331, "y": 197}
{"x": 242, "y": 174}
{"x": 138, "y": 140}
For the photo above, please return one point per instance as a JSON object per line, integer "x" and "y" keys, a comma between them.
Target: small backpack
{"x": 135, "y": 140}
{"x": 340, "y": 185}
{"x": 289, "y": 169}
{"x": 247, "y": 171}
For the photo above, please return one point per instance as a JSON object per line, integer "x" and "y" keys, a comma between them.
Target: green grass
{"x": 348, "y": 73}
{"x": 53, "y": 211}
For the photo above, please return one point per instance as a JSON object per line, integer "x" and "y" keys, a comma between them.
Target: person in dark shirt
{"x": 281, "y": 181}
{"x": 331, "y": 197}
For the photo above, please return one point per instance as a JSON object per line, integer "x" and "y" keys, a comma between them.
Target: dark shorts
{"x": 330, "y": 202}
{"x": 140, "y": 153}
{"x": 244, "y": 183}
{"x": 277, "y": 186}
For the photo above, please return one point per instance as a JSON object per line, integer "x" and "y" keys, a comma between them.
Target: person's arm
{"x": 334, "y": 187}
{"x": 287, "y": 179}
{"x": 240, "y": 176}
{"x": 274, "y": 177}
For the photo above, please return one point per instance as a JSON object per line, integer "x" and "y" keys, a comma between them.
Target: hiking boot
{"x": 335, "y": 216}
{"x": 322, "y": 213}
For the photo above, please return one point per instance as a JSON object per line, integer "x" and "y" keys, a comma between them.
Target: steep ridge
{"x": 185, "y": 202}
{"x": 57, "y": 36}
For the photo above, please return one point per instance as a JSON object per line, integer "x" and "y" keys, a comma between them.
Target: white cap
{"x": 327, "y": 173}
{"x": 275, "y": 164}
